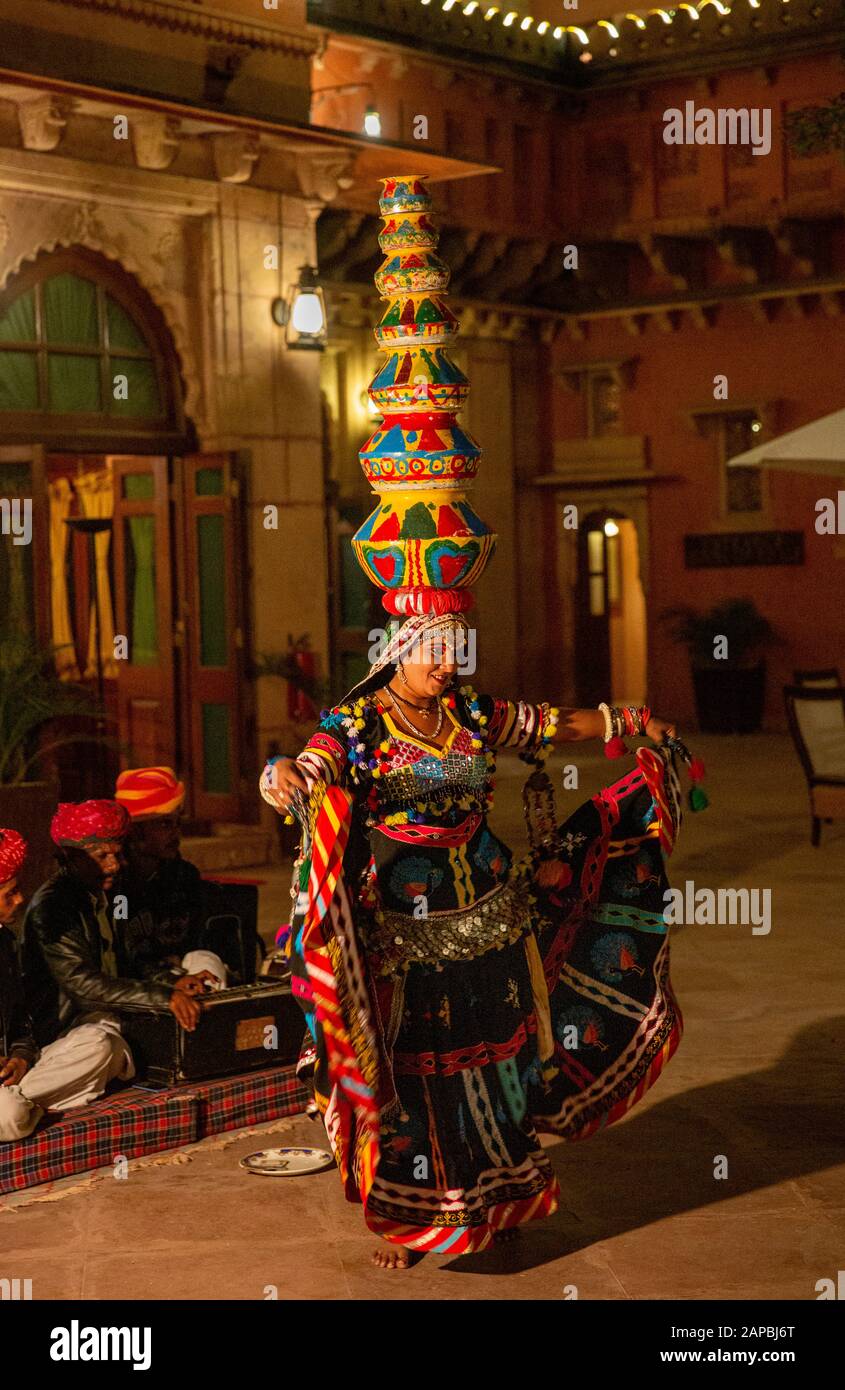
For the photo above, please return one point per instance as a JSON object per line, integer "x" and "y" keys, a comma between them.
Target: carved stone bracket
{"x": 322, "y": 174}
{"x": 808, "y": 244}
{"x": 676, "y": 259}
{"x": 235, "y": 153}
{"x": 42, "y": 121}
{"x": 748, "y": 250}
{"x": 155, "y": 140}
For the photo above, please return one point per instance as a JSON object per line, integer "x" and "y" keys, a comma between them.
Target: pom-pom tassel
{"x": 697, "y": 797}
{"x": 615, "y": 748}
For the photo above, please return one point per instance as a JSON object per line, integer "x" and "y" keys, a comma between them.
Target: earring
{"x": 402, "y": 676}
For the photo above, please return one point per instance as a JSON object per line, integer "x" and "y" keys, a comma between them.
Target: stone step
{"x": 228, "y": 847}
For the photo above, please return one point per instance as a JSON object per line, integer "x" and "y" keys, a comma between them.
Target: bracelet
{"x": 625, "y": 721}
{"x": 614, "y": 723}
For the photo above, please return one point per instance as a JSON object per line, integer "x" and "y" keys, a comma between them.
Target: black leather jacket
{"x": 16, "y": 1038}
{"x": 61, "y": 961}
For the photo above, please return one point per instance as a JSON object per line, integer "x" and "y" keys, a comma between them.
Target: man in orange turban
{"x": 163, "y": 934}
{"x": 74, "y": 968}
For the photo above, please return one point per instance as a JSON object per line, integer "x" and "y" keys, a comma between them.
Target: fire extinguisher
{"x": 300, "y": 706}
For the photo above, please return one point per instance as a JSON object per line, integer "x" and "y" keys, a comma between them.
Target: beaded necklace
{"x": 409, "y": 723}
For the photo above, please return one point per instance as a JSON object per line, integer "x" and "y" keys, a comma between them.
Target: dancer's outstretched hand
{"x": 658, "y": 730}
{"x": 281, "y": 781}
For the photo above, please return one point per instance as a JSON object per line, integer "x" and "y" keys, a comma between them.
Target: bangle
{"x": 604, "y": 710}
{"x": 614, "y": 723}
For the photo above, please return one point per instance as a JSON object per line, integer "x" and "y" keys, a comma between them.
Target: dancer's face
{"x": 430, "y": 666}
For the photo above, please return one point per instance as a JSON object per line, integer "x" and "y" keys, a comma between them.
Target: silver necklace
{"x": 429, "y": 737}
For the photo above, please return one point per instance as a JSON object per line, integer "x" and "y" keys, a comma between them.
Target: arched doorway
{"x": 134, "y": 571}
{"x": 610, "y": 612}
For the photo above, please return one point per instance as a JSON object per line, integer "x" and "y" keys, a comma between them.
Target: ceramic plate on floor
{"x": 287, "y": 1163}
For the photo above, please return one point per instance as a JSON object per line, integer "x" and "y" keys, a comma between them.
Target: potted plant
{"x": 728, "y": 675}
{"x": 32, "y": 700}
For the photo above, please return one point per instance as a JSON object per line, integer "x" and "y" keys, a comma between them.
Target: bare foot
{"x": 391, "y": 1257}
{"x": 503, "y": 1237}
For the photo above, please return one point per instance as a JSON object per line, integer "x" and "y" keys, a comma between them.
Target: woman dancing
{"x": 460, "y": 1002}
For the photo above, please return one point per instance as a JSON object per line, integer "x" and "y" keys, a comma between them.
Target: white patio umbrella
{"x": 815, "y": 448}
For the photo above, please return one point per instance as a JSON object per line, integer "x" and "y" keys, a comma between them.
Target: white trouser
{"x": 78, "y": 1066}
{"x": 71, "y": 1071}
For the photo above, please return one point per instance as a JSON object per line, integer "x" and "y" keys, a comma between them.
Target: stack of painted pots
{"x": 423, "y": 544}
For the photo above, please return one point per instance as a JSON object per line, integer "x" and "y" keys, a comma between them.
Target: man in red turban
{"x": 73, "y": 964}
{"x": 17, "y": 1045}
{"x": 167, "y": 901}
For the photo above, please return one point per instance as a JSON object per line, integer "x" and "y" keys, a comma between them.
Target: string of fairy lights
{"x": 559, "y": 33}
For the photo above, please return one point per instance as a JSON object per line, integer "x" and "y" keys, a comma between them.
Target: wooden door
{"x": 593, "y": 674}
{"x": 212, "y": 564}
{"x": 143, "y": 592}
{"x": 25, "y": 564}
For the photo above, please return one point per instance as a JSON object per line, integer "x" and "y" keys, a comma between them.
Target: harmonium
{"x": 243, "y": 1029}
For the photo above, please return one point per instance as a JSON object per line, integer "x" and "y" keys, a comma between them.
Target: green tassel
{"x": 698, "y": 800}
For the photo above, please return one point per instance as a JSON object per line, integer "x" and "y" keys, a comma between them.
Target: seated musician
{"x": 162, "y": 933}
{"x": 18, "y": 1052}
{"x": 75, "y": 979}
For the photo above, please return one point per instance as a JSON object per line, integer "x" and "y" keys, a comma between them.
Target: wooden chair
{"x": 818, "y": 732}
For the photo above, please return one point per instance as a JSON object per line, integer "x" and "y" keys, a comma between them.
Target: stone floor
{"x": 757, "y": 1079}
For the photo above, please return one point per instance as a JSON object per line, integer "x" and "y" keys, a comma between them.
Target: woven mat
{"x": 70, "y": 1186}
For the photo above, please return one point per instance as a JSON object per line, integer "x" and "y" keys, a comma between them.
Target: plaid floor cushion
{"x": 233, "y": 1102}
{"x": 134, "y": 1122}
{"x": 130, "y": 1124}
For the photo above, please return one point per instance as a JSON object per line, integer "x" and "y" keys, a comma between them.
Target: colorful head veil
{"x": 423, "y": 545}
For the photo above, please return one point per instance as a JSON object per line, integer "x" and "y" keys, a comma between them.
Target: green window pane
{"x": 134, "y": 389}
{"x": 122, "y": 330}
{"x": 139, "y": 561}
{"x": 70, "y": 310}
{"x": 208, "y": 482}
{"x": 73, "y": 383}
{"x": 18, "y": 381}
{"x": 17, "y": 325}
{"x": 216, "y": 771}
{"x": 138, "y": 487}
{"x": 211, "y": 567}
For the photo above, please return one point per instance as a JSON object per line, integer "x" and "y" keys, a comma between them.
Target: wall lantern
{"x": 368, "y": 405}
{"x": 372, "y": 122}
{"x": 303, "y": 313}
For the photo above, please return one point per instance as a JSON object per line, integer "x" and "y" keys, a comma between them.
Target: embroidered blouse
{"x": 425, "y": 808}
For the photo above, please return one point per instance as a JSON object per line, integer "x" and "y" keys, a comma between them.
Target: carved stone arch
{"x": 170, "y": 334}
